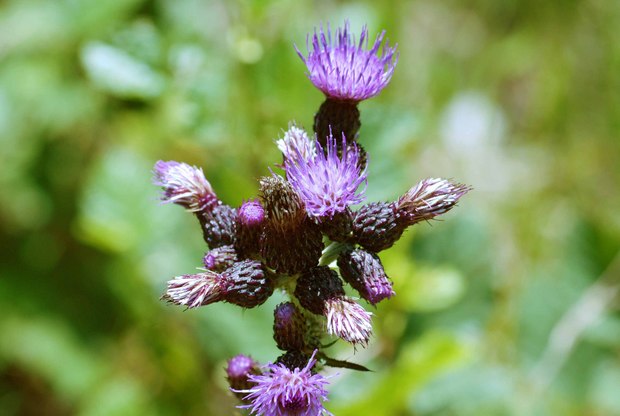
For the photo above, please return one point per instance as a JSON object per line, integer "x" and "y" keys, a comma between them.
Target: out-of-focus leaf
{"x": 418, "y": 363}
{"x": 120, "y": 74}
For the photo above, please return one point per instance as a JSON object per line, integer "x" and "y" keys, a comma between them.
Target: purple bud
{"x": 288, "y": 327}
{"x": 220, "y": 258}
{"x": 251, "y": 213}
{"x": 376, "y": 226}
{"x": 364, "y": 272}
{"x": 248, "y": 286}
{"x": 219, "y": 227}
{"x": 238, "y": 370}
{"x": 250, "y": 221}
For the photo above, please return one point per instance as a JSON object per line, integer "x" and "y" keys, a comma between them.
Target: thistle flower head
{"x": 344, "y": 69}
{"x": 280, "y": 391}
{"x": 429, "y": 198}
{"x": 296, "y": 141}
{"x": 328, "y": 183}
{"x": 184, "y": 185}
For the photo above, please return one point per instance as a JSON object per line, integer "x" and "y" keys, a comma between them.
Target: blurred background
{"x": 508, "y": 306}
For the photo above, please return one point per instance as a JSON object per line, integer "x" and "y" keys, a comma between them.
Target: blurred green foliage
{"x": 507, "y": 307}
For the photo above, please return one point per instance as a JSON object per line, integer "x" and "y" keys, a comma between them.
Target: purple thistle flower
{"x": 345, "y": 70}
{"x": 184, "y": 185}
{"x": 280, "y": 391}
{"x": 296, "y": 140}
{"x": 429, "y": 198}
{"x": 327, "y": 183}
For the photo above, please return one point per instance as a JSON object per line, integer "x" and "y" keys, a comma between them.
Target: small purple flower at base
{"x": 327, "y": 183}
{"x": 195, "y": 290}
{"x": 238, "y": 369}
{"x": 184, "y": 185}
{"x": 280, "y": 391}
{"x": 429, "y": 198}
{"x": 344, "y": 69}
{"x": 348, "y": 320}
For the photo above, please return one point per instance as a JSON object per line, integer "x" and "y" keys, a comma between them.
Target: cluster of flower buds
{"x": 303, "y": 235}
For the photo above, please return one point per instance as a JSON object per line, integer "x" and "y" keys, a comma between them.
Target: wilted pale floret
{"x": 429, "y": 198}
{"x": 344, "y": 69}
{"x": 327, "y": 183}
{"x": 280, "y": 391}
{"x": 348, "y": 320}
{"x": 296, "y": 141}
{"x": 184, "y": 185}
{"x": 195, "y": 289}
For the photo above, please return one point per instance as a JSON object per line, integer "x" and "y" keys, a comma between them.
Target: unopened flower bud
{"x": 290, "y": 242}
{"x": 376, "y": 226}
{"x": 316, "y": 286}
{"x": 250, "y": 221}
{"x": 219, "y": 226}
{"x": 248, "y": 285}
{"x": 364, "y": 272}
{"x": 289, "y": 327}
{"x": 284, "y": 208}
{"x": 220, "y": 258}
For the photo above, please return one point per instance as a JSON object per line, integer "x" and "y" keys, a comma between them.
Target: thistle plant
{"x": 303, "y": 235}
